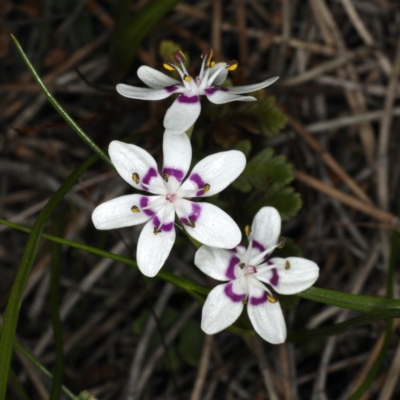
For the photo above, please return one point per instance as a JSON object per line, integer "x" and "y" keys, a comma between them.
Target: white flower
{"x": 203, "y": 221}
{"x": 185, "y": 110}
{"x": 247, "y": 270}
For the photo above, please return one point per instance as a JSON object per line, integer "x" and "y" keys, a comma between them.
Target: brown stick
{"x": 374, "y": 212}
{"x": 329, "y": 160}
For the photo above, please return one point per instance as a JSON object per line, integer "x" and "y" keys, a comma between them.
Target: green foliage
{"x": 262, "y": 167}
{"x": 269, "y": 117}
{"x": 85, "y": 396}
{"x": 190, "y": 343}
{"x": 266, "y": 176}
{"x": 284, "y": 199}
{"x": 130, "y": 30}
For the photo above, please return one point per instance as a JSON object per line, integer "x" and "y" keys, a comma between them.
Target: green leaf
{"x": 244, "y": 146}
{"x": 264, "y": 168}
{"x": 350, "y": 301}
{"x": 270, "y": 118}
{"x": 342, "y": 327}
{"x": 131, "y": 30}
{"x": 285, "y": 200}
{"x": 190, "y": 343}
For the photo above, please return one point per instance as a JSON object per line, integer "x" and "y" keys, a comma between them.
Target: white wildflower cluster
{"x": 250, "y": 276}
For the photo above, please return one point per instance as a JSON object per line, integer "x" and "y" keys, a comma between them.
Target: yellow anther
{"x": 231, "y": 65}
{"x": 247, "y": 230}
{"x": 287, "y": 264}
{"x": 271, "y": 299}
{"x": 244, "y": 301}
{"x": 206, "y": 188}
{"x": 242, "y": 265}
{"x": 211, "y": 54}
{"x": 281, "y": 242}
{"x": 168, "y": 67}
{"x": 135, "y": 209}
{"x": 212, "y": 64}
{"x": 156, "y": 231}
{"x": 135, "y": 178}
{"x": 166, "y": 177}
{"x": 187, "y": 78}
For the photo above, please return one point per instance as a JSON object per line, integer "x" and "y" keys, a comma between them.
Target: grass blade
{"x": 17, "y": 291}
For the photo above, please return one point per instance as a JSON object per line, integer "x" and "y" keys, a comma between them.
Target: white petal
{"x": 134, "y": 92}
{"x": 218, "y": 170}
{"x": 183, "y": 113}
{"x": 219, "y": 264}
{"x": 220, "y": 95}
{"x": 155, "y": 79}
{"x": 129, "y": 159}
{"x": 266, "y": 317}
{"x": 117, "y": 213}
{"x": 213, "y": 227}
{"x": 300, "y": 275}
{"x": 153, "y": 250}
{"x": 266, "y": 227}
{"x": 177, "y": 157}
{"x": 252, "y": 88}
{"x": 222, "y": 307}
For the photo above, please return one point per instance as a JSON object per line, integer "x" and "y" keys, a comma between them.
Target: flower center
{"x": 171, "y": 197}
{"x": 250, "y": 270}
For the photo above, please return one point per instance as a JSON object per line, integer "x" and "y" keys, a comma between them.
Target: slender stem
{"x": 58, "y": 107}
{"x": 43, "y": 369}
{"x": 55, "y": 268}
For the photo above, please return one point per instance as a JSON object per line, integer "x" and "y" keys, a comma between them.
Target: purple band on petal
{"x": 144, "y": 201}
{"x": 258, "y": 245}
{"x": 165, "y": 227}
{"x": 196, "y": 211}
{"x": 188, "y": 99}
{"x": 198, "y": 180}
{"x": 176, "y": 173}
{"x": 211, "y": 90}
{"x": 151, "y": 173}
{"x": 172, "y": 88}
{"x": 193, "y": 216}
{"x": 233, "y": 296}
{"x": 230, "y": 272}
{"x": 275, "y": 277}
{"x": 256, "y": 301}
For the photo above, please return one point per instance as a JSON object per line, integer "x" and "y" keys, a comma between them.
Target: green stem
{"x": 55, "y": 268}
{"x": 14, "y": 303}
{"x": 58, "y": 107}
{"x": 43, "y": 369}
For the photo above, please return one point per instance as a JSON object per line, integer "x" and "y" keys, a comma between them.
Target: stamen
{"x": 231, "y": 65}
{"x": 156, "y": 231}
{"x": 206, "y": 188}
{"x": 135, "y": 209}
{"x": 191, "y": 223}
{"x": 281, "y": 242}
{"x": 271, "y": 299}
{"x": 187, "y": 78}
{"x": 207, "y": 53}
{"x": 247, "y": 230}
{"x": 168, "y": 65}
{"x": 242, "y": 265}
{"x": 287, "y": 264}
{"x": 212, "y": 64}
{"x": 178, "y": 56}
{"x": 166, "y": 177}
{"x": 245, "y": 301}
{"x": 135, "y": 177}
